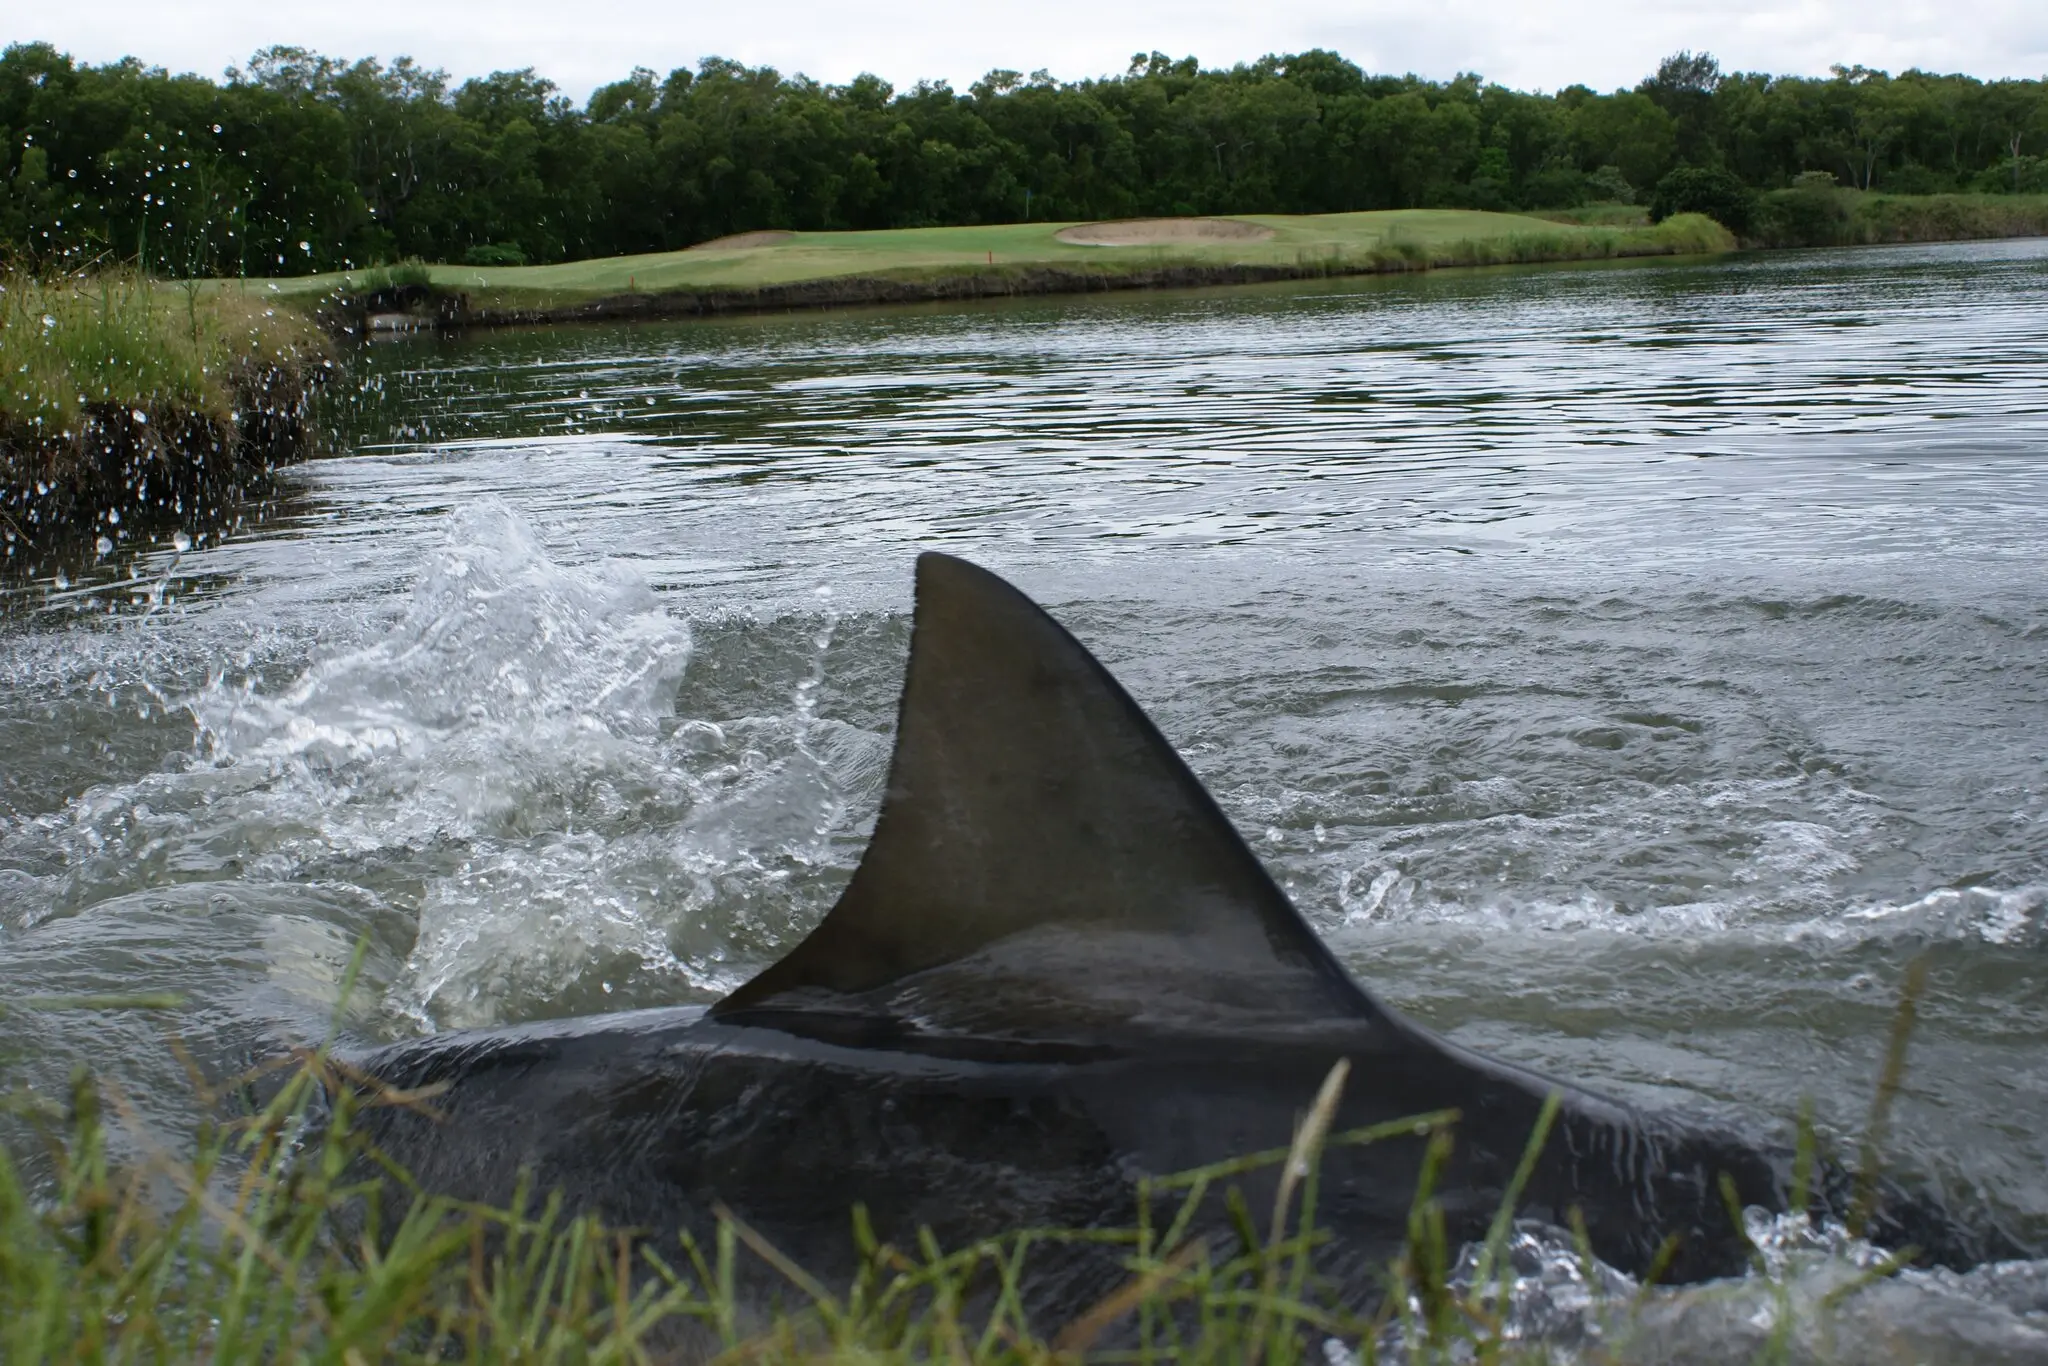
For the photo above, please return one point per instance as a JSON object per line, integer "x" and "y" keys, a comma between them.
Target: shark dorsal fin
{"x": 1030, "y": 796}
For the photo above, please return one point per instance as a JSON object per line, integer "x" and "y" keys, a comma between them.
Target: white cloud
{"x": 1517, "y": 43}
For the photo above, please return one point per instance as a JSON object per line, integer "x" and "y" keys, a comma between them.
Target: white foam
{"x": 1818, "y": 1295}
{"x": 503, "y": 760}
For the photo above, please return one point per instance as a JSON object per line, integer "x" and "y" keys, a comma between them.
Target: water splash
{"x": 1818, "y": 1294}
{"x": 504, "y": 762}
{"x": 2015, "y": 917}
{"x": 498, "y": 640}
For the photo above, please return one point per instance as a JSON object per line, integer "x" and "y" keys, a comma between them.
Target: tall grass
{"x": 1686, "y": 234}
{"x": 118, "y": 339}
{"x": 1681, "y": 235}
{"x": 231, "y": 1254}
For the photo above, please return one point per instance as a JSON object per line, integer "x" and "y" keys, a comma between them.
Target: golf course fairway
{"x": 768, "y": 269}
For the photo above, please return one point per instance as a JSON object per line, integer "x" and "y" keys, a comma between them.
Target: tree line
{"x": 299, "y": 162}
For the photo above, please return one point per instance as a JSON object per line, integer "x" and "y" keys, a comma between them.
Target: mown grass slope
{"x": 1021, "y": 253}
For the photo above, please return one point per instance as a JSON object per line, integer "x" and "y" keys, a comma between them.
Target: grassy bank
{"x": 132, "y": 405}
{"x": 794, "y": 270}
{"x": 778, "y": 270}
{"x": 1830, "y": 216}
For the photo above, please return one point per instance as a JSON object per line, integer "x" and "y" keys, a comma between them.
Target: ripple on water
{"x": 1629, "y": 671}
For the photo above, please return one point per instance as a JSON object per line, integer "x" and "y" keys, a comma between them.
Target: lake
{"x": 1628, "y": 669}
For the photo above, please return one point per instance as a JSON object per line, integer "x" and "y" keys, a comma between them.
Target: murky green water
{"x": 1629, "y": 670}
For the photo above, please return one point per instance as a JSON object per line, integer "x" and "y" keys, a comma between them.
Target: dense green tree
{"x": 1684, "y": 89}
{"x": 1629, "y": 131}
{"x": 298, "y": 161}
{"x": 1711, "y": 190}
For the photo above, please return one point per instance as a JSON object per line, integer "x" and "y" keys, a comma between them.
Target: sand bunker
{"x": 739, "y": 241}
{"x": 1162, "y": 232}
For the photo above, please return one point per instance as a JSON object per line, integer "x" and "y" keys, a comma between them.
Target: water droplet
{"x": 104, "y": 546}
{"x": 181, "y": 542}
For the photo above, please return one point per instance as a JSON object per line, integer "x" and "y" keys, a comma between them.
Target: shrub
{"x": 1557, "y": 187}
{"x": 494, "y": 254}
{"x": 1813, "y": 213}
{"x": 1917, "y": 180}
{"x": 1704, "y": 189}
{"x": 1948, "y": 217}
{"x": 2014, "y": 175}
{"x": 1489, "y": 194}
{"x": 1608, "y": 184}
{"x": 406, "y": 275}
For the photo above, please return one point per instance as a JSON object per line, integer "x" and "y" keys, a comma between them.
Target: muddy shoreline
{"x": 124, "y": 472}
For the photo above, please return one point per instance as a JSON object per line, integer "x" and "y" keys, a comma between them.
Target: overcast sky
{"x": 1529, "y": 44}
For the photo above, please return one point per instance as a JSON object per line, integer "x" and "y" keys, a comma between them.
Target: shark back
{"x": 1057, "y": 970}
{"x": 1038, "y": 831}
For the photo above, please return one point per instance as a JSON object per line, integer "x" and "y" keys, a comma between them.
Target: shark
{"x": 1059, "y": 971}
